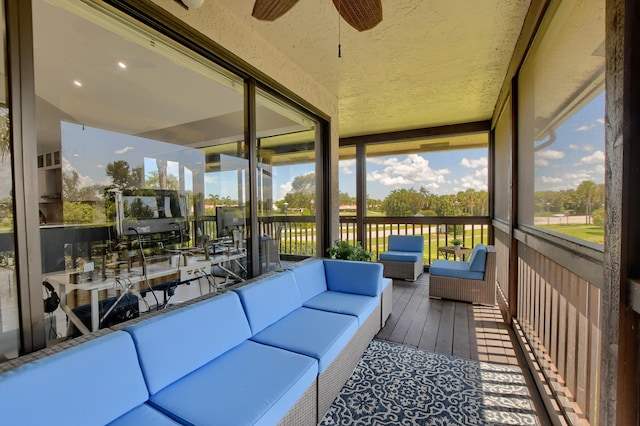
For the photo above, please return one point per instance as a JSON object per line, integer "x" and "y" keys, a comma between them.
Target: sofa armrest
{"x": 348, "y": 276}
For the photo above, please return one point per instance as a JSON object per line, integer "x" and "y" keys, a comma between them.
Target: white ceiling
{"x": 428, "y": 63}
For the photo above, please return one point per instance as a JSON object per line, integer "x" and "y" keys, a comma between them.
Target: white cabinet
{"x": 50, "y": 186}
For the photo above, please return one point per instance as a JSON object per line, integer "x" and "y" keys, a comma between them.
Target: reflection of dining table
{"x": 458, "y": 253}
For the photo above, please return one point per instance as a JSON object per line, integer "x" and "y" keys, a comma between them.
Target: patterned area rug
{"x": 398, "y": 385}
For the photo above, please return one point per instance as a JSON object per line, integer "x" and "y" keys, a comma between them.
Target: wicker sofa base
{"x": 386, "y": 302}
{"x": 409, "y": 271}
{"x": 331, "y": 380}
{"x": 304, "y": 412}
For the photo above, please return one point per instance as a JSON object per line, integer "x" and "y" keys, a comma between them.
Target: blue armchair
{"x": 405, "y": 257}
{"x": 473, "y": 281}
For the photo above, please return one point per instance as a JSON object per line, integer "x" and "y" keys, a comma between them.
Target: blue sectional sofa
{"x": 274, "y": 351}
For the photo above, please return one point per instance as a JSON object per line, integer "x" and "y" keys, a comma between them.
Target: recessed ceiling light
{"x": 77, "y": 83}
{"x": 122, "y": 65}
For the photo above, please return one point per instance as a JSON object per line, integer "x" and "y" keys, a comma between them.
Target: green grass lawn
{"x": 591, "y": 233}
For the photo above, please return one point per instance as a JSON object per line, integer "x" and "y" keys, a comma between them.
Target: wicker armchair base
{"x": 409, "y": 271}
{"x": 475, "y": 291}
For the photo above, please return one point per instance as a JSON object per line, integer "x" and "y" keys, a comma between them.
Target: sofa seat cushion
{"x": 344, "y": 303}
{"x": 350, "y": 276}
{"x": 174, "y": 344}
{"x": 143, "y": 415}
{"x": 250, "y": 384}
{"x": 310, "y": 278}
{"x": 454, "y": 269}
{"x": 401, "y": 256}
{"x": 318, "y": 334}
{"x": 101, "y": 378}
{"x": 268, "y": 299}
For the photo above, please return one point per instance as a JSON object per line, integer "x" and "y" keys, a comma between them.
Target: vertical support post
{"x": 24, "y": 152}
{"x": 361, "y": 193}
{"x": 619, "y": 368}
{"x": 250, "y": 140}
{"x": 513, "y": 204}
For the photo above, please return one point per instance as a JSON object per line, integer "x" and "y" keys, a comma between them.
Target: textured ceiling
{"x": 428, "y": 63}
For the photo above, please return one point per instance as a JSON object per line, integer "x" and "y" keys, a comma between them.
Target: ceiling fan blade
{"x": 360, "y": 14}
{"x": 269, "y": 10}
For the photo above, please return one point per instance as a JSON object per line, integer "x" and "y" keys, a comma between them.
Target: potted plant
{"x": 344, "y": 250}
{"x": 457, "y": 243}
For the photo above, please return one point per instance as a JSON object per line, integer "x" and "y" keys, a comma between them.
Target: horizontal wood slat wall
{"x": 559, "y": 313}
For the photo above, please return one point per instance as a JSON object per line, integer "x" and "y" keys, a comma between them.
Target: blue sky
{"x": 577, "y": 154}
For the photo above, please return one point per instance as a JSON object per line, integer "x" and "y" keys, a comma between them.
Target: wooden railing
{"x": 438, "y": 231}
{"x": 298, "y": 236}
{"x": 559, "y": 314}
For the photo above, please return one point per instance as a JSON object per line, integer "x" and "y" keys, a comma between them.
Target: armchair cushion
{"x": 406, "y": 243}
{"x": 401, "y": 256}
{"x": 455, "y": 269}
{"x": 478, "y": 258}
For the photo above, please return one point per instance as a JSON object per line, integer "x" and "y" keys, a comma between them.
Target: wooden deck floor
{"x": 454, "y": 328}
{"x": 447, "y": 327}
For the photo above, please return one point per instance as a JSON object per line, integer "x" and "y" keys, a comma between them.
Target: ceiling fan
{"x": 360, "y": 14}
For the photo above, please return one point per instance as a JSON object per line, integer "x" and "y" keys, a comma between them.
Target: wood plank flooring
{"x": 454, "y": 328}
{"x": 447, "y": 327}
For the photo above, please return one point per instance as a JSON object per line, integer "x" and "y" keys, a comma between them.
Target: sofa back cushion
{"x": 101, "y": 379}
{"x": 406, "y": 243}
{"x": 174, "y": 344}
{"x": 310, "y": 278}
{"x": 267, "y": 300}
{"x": 478, "y": 258}
{"x": 354, "y": 277}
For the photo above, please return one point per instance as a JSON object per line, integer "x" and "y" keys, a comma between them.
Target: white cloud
{"x": 346, "y": 166}
{"x": 549, "y": 179}
{"x": 285, "y": 188}
{"x": 123, "y": 150}
{"x": 600, "y": 120}
{"x": 574, "y": 146}
{"x": 542, "y": 157}
{"x": 83, "y": 180}
{"x": 596, "y": 158}
{"x": 477, "y": 181}
{"x": 210, "y": 178}
{"x": 585, "y": 127}
{"x": 413, "y": 170}
{"x": 474, "y": 164}
{"x": 550, "y": 154}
